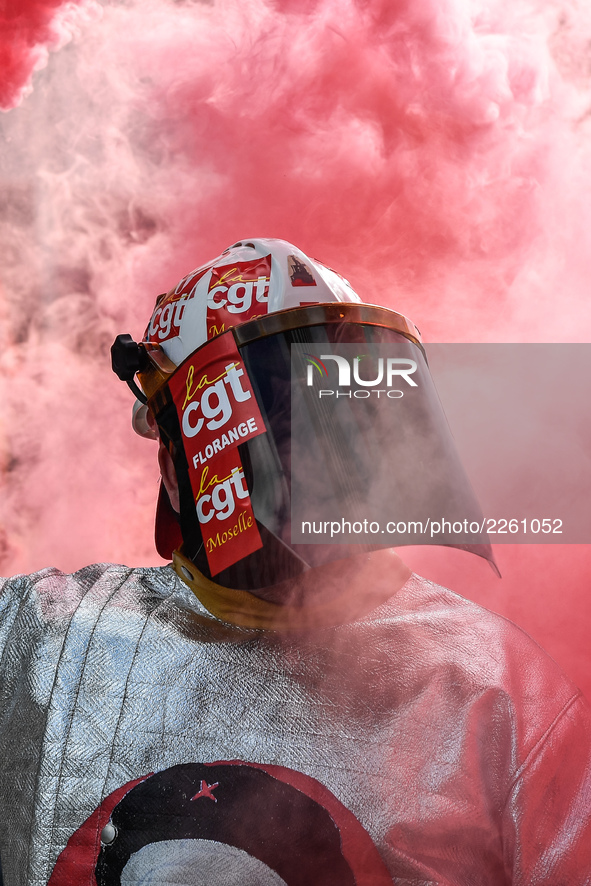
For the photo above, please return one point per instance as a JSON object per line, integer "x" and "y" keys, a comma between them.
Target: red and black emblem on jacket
{"x": 222, "y": 823}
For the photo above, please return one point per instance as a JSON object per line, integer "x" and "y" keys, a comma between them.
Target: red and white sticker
{"x": 169, "y": 310}
{"x": 225, "y": 513}
{"x": 217, "y": 411}
{"x": 237, "y": 292}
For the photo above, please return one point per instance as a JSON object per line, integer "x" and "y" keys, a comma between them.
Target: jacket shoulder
{"x": 475, "y": 652}
{"x": 52, "y": 594}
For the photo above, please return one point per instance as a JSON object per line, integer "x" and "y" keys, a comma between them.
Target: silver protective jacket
{"x": 144, "y": 741}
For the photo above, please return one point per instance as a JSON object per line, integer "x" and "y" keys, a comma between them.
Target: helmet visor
{"x": 293, "y": 431}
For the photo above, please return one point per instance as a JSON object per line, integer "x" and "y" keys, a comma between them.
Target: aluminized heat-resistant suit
{"x": 145, "y": 741}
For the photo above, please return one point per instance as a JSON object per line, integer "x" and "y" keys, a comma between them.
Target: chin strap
{"x": 338, "y": 592}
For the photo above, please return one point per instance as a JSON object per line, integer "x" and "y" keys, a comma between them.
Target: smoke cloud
{"x": 29, "y": 29}
{"x": 433, "y": 152}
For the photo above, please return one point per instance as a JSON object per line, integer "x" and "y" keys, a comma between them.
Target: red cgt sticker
{"x": 237, "y": 293}
{"x": 217, "y": 411}
{"x": 225, "y": 513}
{"x": 168, "y": 313}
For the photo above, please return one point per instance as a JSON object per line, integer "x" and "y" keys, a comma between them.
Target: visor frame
{"x": 160, "y": 368}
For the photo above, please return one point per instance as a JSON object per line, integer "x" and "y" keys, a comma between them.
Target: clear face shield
{"x": 319, "y": 416}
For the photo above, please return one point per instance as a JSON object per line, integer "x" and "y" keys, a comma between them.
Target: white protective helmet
{"x": 217, "y": 371}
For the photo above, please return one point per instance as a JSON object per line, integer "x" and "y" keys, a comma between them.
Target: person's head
{"x": 228, "y": 368}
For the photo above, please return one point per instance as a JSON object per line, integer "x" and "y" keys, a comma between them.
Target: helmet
{"x": 254, "y": 453}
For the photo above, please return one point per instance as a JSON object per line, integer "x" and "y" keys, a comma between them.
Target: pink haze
{"x": 435, "y": 152}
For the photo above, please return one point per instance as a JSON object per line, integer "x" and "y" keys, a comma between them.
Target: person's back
{"x": 264, "y": 711}
{"x": 425, "y": 741}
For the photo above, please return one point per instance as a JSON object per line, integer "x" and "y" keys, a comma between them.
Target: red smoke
{"x": 434, "y": 152}
{"x": 28, "y": 29}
